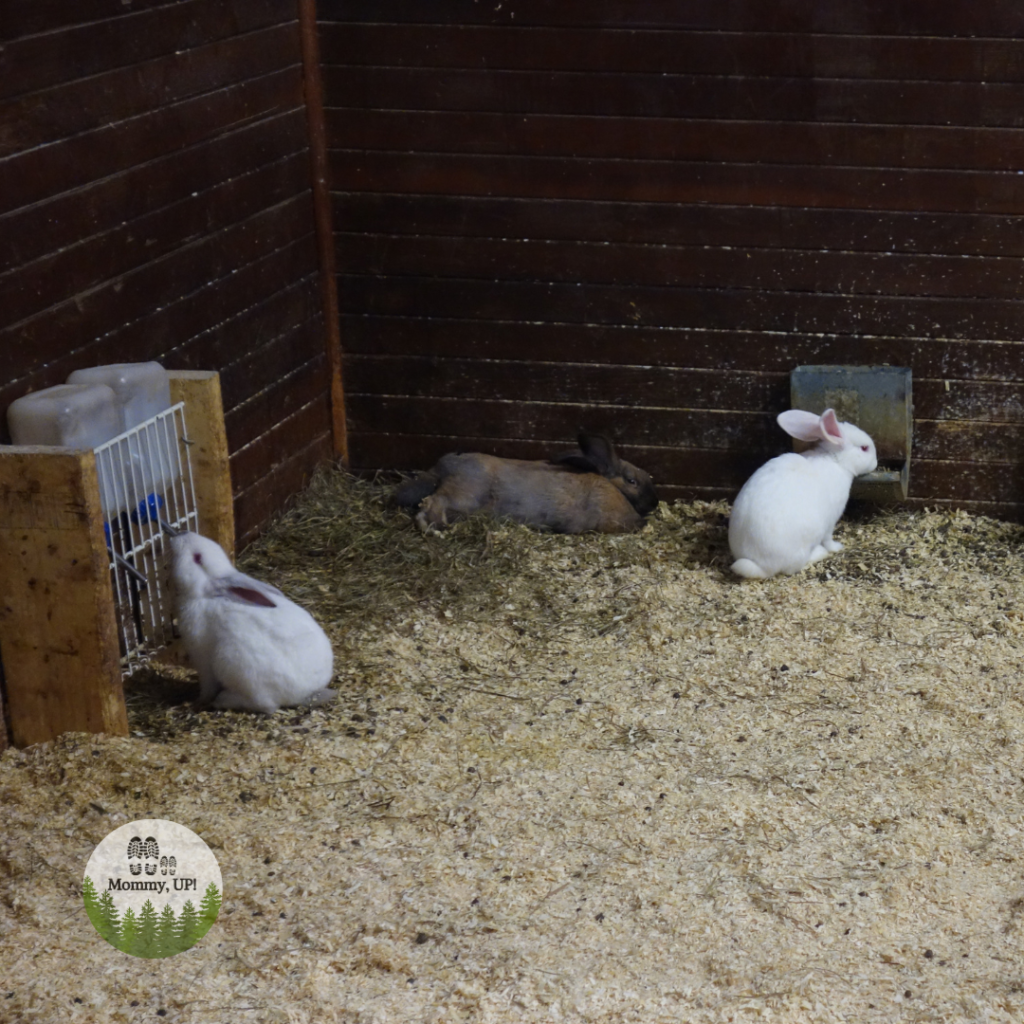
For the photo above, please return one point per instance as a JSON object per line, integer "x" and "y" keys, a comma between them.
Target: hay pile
{"x": 571, "y": 778}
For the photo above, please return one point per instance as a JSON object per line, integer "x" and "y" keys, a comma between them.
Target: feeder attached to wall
{"x": 877, "y": 399}
{"x": 79, "y": 545}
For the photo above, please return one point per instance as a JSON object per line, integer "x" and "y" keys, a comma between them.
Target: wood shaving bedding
{"x": 571, "y": 778}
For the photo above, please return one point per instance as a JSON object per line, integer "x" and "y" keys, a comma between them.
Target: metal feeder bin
{"x": 877, "y": 399}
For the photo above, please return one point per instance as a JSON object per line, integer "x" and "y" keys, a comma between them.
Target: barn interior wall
{"x": 635, "y": 217}
{"x": 155, "y": 204}
{"x": 640, "y": 216}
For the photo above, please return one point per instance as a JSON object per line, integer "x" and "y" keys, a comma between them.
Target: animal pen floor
{"x": 571, "y": 778}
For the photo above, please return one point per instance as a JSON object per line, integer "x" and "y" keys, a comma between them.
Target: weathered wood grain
{"x": 86, "y": 104}
{"x": 604, "y": 180}
{"x": 697, "y": 266}
{"x": 679, "y": 139}
{"x": 156, "y": 205}
{"x": 127, "y": 36}
{"x": 214, "y": 327}
{"x": 293, "y": 390}
{"x": 58, "y": 632}
{"x": 693, "y": 347}
{"x": 672, "y": 50}
{"x": 857, "y": 17}
{"x": 41, "y": 173}
{"x": 103, "y": 258}
{"x": 279, "y": 442}
{"x": 257, "y": 504}
{"x": 131, "y": 193}
{"x": 207, "y": 452}
{"x": 801, "y": 228}
{"x": 172, "y": 278}
{"x": 600, "y": 94}
{"x": 707, "y": 308}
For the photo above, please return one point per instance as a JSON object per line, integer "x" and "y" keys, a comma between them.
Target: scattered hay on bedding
{"x": 581, "y": 778}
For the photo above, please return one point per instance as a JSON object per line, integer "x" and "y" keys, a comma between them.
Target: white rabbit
{"x": 253, "y": 648}
{"x": 783, "y": 517}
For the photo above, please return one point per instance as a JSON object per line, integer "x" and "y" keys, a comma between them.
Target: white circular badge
{"x": 152, "y": 888}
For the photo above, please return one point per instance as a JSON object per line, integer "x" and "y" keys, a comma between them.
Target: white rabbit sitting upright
{"x": 254, "y": 649}
{"x": 783, "y": 518}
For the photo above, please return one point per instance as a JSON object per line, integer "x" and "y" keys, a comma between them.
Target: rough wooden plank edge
{"x": 58, "y": 627}
{"x": 208, "y": 452}
{"x": 313, "y": 89}
{"x": 5, "y": 737}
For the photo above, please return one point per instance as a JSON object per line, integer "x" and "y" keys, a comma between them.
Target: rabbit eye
{"x": 863, "y": 447}
{"x": 197, "y": 558}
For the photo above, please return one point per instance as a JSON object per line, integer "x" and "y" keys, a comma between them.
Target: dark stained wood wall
{"x": 640, "y": 215}
{"x": 155, "y": 204}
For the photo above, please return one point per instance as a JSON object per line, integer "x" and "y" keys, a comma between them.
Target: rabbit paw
{"x": 228, "y": 701}
{"x": 748, "y": 569}
{"x": 432, "y": 515}
{"x": 819, "y": 552}
{"x": 320, "y": 697}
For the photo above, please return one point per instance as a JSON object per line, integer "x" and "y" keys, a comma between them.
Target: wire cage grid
{"x": 147, "y": 491}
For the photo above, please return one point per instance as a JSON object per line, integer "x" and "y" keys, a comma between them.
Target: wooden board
{"x": 670, "y": 49}
{"x": 942, "y": 359}
{"x": 58, "y": 635}
{"x": 647, "y": 214}
{"x": 157, "y": 205}
{"x": 207, "y": 452}
{"x": 777, "y": 228}
{"x": 258, "y": 504}
{"x": 854, "y": 17}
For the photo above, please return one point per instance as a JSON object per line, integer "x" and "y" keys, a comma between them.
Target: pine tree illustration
{"x": 107, "y": 925}
{"x": 146, "y": 943}
{"x": 129, "y": 931}
{"x": 167, "y": 933}
{"x": 189, "y": 931}
{"x": 209, "y": 906}
{"x": 91, "y": 902}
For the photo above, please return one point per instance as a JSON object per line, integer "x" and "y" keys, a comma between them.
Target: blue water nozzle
{"x": 149, "y": 509}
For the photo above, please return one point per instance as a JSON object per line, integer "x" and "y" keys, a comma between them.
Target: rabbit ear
{"x": 248, "y": 596}
{"x": 830, "y": 429}
{"x": 599, "y": 451}
{"x": 239, "y": 589}
{"x": 576, "y": 461}
{"x": 805, "y": 426}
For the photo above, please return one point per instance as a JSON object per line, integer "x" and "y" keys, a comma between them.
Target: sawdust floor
{"x": 572, "y": 778}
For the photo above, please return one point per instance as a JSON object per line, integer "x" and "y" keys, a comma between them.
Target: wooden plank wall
{"x": 639, "y": 215}
{"x": 155, "y": 204}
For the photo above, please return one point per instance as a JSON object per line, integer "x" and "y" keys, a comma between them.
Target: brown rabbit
{"x": 589, "y": 489}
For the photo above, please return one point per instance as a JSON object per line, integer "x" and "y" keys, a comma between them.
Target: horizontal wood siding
{"x": 155, "y": 204}
{"x": 640, "y": 215}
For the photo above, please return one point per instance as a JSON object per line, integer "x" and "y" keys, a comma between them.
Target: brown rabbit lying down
{"x": 592, "y": 489}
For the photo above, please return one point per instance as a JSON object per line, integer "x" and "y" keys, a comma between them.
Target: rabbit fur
{"x": 254, "y": 649}
{"x": 783, "y": 517}
{"x": 584, "y": 490}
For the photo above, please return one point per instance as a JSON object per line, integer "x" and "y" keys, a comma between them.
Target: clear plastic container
{"x": 72, "y": 416}
{"x": 66, "y": 416}
{"x": 143, "y": 390}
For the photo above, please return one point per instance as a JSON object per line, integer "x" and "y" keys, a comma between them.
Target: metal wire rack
{"x": 146, "y": 491}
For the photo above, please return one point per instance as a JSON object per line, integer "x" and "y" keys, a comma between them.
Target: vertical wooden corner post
{"x": 314, "y": 96}
{"x": 58, "y": 628}
{"x": 58, "y": 632}
{"x": 207, "y": 452}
